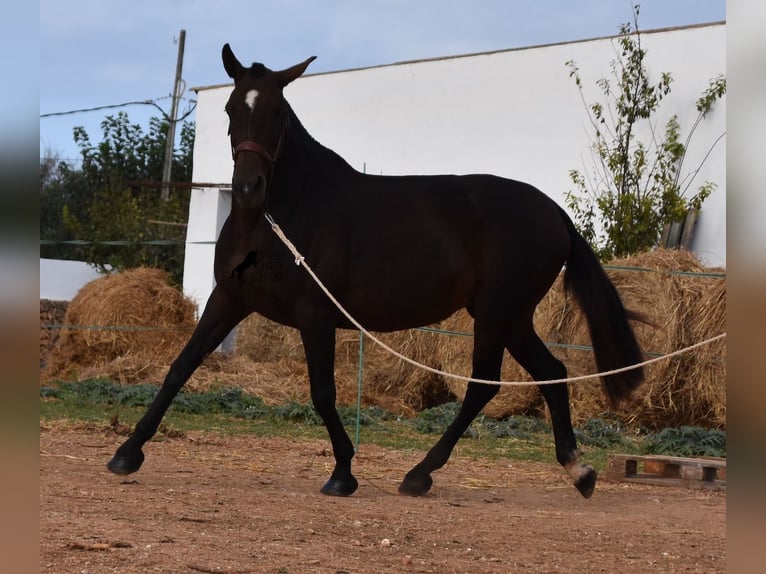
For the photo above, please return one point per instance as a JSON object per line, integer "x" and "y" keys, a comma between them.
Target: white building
{"x": 514, "y": 113}
{"x": 61, "y": 280}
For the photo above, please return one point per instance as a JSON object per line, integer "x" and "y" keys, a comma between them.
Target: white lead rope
{"x": 301, "y": 260}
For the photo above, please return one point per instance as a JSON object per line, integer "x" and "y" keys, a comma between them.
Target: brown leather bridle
{"x": 248, "y": 145}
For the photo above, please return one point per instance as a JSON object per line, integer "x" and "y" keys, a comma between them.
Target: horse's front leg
{"x": 218, "y": 319}
{"x": 319, "y": 346}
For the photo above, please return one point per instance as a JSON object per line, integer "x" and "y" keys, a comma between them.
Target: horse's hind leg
{"x": 217, "y": 320}
{"x": 532, "y": 354}
{"x": 487, "y": 362}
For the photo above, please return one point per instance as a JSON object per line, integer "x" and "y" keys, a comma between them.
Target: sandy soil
{"x": 246, "y": 504}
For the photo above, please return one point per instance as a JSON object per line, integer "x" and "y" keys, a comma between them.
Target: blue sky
{"x": 104, "y": 52}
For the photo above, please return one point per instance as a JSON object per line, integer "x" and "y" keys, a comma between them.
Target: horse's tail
{"x": 614, "y": 343}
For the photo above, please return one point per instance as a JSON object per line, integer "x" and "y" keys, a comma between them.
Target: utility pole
{"x": 168, "y": 165}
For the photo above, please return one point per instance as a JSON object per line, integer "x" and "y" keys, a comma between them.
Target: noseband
{"x": 254, "y": 147}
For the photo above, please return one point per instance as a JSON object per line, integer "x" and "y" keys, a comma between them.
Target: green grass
{"x": 231, "y": 411}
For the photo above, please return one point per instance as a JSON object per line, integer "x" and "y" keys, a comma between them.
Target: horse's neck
{"x": 308, "y": 175}
{"x": 310, "y": 152}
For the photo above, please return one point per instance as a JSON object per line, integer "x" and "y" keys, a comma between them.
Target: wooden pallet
{"x": 667, "y": 470}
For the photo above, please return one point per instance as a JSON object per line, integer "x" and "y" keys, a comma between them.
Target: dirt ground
{"x": 245, "y": 504}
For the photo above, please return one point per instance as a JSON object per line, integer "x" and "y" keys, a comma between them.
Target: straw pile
{"x": 276, "y": 382}
{"x": 388, "y": 382}
{"x": 154, "y": 321}
{"x": 268, "y": 362}
{"x": 394, "y": 384}
{"x": 687, "y": 309}
{"x": 706, "y": 377}
{"x": 263, "y": 341}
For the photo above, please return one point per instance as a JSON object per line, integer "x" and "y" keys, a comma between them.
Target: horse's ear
{"x": 290, "y": 74}
{"x": 230, "y": 63}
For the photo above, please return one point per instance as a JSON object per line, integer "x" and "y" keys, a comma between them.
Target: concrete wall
{"x": 61, "y": 280}
{"x": 514, "y": 113}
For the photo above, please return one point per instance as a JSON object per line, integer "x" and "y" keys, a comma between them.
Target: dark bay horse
{"x": 397, "y": 252}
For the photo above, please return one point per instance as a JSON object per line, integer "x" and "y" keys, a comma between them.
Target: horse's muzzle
{"x": 250, "y": 193}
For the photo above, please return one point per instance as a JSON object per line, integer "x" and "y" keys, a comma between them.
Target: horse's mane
{"x": 303, "y": 140}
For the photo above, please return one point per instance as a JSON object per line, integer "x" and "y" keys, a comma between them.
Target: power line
{"x": 57, "y": 158}
{"x": 97, "y": 108}
{"x": 125, "y": 104}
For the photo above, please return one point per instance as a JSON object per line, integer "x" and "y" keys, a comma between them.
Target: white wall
{"x": 514, "y": 113}
{"x": 61, "y": 280}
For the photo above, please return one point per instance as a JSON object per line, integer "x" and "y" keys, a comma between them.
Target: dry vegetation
{"x": 268, "y": 361}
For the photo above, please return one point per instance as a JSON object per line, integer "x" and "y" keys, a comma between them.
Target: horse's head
{"x": 257, "y": 124}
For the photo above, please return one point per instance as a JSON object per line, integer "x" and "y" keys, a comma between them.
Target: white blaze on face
{"x": 250, "y": 98}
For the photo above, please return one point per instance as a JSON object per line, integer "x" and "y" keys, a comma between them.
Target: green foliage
{"x": 226, "y": 401}
{"x": 233, "y": 402}
{"x": 519, "y": 427}
{"x": 436, "y": 420}
{"x": 306, "y": 414}
{"x": 297, "y": 412}
{"x": 634, "y": 187}
{"x": 61, "y": 189}
{"x": 114, "y": 197}
{"x": 686, "y": 441}
{"x": 368, "y": 416}
{"x": 601, "y": 433}
{"x": 102, "y": 391}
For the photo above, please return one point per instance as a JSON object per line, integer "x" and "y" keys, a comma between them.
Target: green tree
{"x": 115, "y": 198}
{"x": 60, "y": 186}
{"x": 635, "y": 188}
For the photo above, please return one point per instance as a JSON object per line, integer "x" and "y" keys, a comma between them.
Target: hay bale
{"x": 276, "y": 382}
{"x": 394, "y": 384}
{"x": 706, "y": 378}
{"x": 133, "y": 320}
{"x": 670, "y": 396}
{"x": 388, "y": 382}
{"x": 264, "y": 341}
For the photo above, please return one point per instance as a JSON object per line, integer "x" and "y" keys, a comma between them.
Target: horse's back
{"x": 477, "y": 216}
{"x": 422, "y": 247}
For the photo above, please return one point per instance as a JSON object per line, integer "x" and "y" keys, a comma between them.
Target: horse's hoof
{"x": 416, "y": 484}
{"x": 125, "y": 464}
{"x": 335, "y": 487}
{"x": 586, "y": 484}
